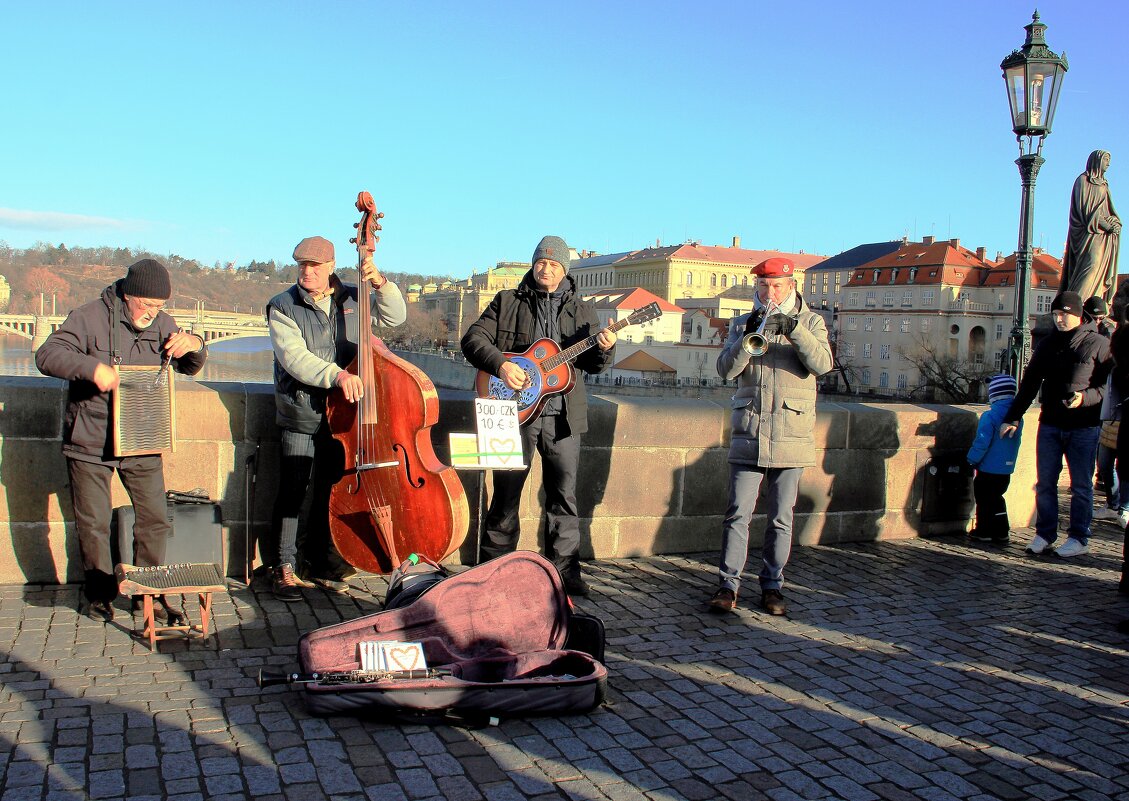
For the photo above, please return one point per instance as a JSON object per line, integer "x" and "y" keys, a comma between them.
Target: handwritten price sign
{"x": 499, "y": 441}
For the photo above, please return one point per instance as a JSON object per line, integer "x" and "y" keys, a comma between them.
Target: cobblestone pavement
{"x": 915, "y": 669}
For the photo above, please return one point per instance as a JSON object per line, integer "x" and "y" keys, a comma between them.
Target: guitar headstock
{"x": 648, "y": 312}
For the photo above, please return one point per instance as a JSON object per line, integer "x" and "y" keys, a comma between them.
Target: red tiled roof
{"x": 629, "y": 300}
{"x": 736, "y": 257}
{"x": 1044, "y": 267}
{"x": 935, "y": 263}
{"x": 644, "y": 362}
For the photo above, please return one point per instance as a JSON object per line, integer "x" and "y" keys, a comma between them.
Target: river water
{"x": 247, "y": 360}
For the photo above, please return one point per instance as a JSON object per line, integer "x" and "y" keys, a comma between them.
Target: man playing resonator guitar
{"x": 544, "y": 305}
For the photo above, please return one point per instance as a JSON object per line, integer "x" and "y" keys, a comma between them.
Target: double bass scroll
{"x": 395, "y": 496}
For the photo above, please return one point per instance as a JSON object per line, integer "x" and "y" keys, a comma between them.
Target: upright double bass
{"x": 395, "y": 496}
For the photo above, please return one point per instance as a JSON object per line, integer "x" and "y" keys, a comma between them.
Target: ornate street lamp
{"x": 1033, "y": 76}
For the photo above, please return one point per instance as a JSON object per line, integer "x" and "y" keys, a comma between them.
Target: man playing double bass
{"x": 313, "y": 331}
{"x": 545, "y": 305}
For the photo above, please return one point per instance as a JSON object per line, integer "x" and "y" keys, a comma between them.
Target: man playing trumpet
{"x": 775, "y": 353}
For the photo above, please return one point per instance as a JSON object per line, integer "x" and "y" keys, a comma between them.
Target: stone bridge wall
{"x": 653, "y": 478}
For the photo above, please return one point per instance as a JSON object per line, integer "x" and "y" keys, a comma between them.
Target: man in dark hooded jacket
{"x": 125, "y": 326}
{"x": 544, "y": 305}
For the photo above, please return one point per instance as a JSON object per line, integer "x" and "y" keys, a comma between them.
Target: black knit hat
{"x": 147, "y": 278}
{"x": 554, "y": 248}
{"x": 1069, "y": 302}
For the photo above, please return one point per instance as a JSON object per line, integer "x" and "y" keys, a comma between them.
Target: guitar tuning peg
{"x": 352, "y": 240}
{"x": 356, "y": 225}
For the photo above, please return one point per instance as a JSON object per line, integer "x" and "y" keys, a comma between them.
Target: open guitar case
{"x": 506, "y": 632}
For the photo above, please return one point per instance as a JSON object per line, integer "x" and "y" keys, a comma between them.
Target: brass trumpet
{"x": 756, "y": 343}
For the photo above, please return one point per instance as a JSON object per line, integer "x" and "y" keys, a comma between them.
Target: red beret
{"x": 776, "y": 267}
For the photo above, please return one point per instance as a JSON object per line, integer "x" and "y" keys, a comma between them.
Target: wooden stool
{"x": 184, "y": 579}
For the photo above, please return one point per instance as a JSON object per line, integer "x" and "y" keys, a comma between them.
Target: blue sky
{"x": 228, "y": 131}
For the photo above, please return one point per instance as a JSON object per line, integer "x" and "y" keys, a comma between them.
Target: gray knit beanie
{"x": 147, "y": 278}
{"x": 552, "y": 247}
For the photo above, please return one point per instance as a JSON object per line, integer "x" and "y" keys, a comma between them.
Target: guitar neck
{"x": 571, "y": 352}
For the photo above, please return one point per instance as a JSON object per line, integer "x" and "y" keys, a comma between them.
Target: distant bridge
{"x": 211, "y": 325}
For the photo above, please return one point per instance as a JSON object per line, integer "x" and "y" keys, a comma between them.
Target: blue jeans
{"x": 781, "y": 487}
{"x": 1080, "y": 447}
{"x": 1116, "y": 493}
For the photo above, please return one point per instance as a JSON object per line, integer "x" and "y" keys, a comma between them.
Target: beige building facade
{"x": 931, "y": 297}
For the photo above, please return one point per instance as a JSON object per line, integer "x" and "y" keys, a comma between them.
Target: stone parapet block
{"x": 653, "y": 476}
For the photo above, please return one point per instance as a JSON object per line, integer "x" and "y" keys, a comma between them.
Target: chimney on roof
{"x": 999, "y": 255}
{"x": 981, "y": 252}
{"x": 955, "y": 243}
{"x": 736, "y": 241}
{"x": 657, "y": 242}
{"x": 928, "y": 240}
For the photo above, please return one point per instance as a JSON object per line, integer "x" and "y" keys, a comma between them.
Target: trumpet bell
{"x": 754, "y": 344}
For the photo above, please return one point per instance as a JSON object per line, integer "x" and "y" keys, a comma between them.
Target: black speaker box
{"x": 196, "y": 537}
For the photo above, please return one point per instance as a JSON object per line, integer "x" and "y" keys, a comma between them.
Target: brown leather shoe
{"x": 773, "y": 602}
{"x": 285, "y": 585}
{"x": 724, "y": 600}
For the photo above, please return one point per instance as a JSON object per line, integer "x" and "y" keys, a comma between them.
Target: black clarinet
{"x": 269, "y": 679}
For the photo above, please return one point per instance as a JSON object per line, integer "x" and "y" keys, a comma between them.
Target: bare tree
{"x": 945, "y": 376}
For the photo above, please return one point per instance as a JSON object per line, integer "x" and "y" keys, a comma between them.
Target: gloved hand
{"x": 754, "y": 321}
{"x": 780, "y": 324}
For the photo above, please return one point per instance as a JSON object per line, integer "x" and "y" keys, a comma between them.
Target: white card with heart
{"x": 499, "y": 439}
{"x": 381, "y": 656}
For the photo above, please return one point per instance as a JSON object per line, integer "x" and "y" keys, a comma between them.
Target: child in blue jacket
{"x": 994, "y": 460}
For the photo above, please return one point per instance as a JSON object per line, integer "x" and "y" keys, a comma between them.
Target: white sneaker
{"x": 1038, "y": 545}
{"x": 1105, "y": 513}
{"x": 1123, "y": 518}
{"x": 1072, "y": 547}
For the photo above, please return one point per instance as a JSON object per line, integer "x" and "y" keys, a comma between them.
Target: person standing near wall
{"x": 773, "y": 426}
{"x": 1070, "y": 366}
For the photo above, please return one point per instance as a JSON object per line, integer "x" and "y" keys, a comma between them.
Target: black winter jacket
{"x": 83, "y": 342}
{"x": 1065, "y": 362}
{"x": 509, "y": 323}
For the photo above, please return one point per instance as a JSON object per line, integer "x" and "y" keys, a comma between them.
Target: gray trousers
{"x": 560, "y": 458}
{"x": 781, "y": 486}
{"x": 144, "y": 480}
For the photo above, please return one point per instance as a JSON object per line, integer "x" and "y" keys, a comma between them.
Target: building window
{"x": 848, "y": 349}
{"x": 999, "y": 330}
{"x": 907, "y": 297}
{"x": 866, "y": 376}
{"x": 884, "y": 352}
{"x": 912, "y": 274}
{"x": 724, "y": 281}
{"x": 875, "y": 279}
{"x": 852, "y": 300}
{"x": 903, "y": 382}
{"x": 866, "y": 350}
{"x": 649, "y": 340}
{"x": 838, "y": 281}
{"x": 905, "y": 325}
{"x": 744, "y": 280}
{"x": 870, "y": 298}
{"x": 825, "y": 282}
{"x": 886, "y": 325}
{"x": 689, "y": 279}
{"x": 884, "y": 379}
{"x": 867, "y": 323}
{"x": 852, "y": 324}
{"x": 888, "y": 299}
{"x": 713, "y": 279}
{"x": 927, "y": 297}
{"x": 925, "y": 325}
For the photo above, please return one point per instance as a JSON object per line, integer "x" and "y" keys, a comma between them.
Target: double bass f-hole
{"x": 417, "y": 483}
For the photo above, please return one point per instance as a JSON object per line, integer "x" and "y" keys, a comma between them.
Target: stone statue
{"x": 1089, "y": 266}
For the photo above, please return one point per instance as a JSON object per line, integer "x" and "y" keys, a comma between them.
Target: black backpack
{"x": 415, "y": 576}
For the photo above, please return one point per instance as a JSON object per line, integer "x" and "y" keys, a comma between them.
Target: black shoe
{"x": 102, "y": 611}
{"x": 724, "y": 600}
{"x": 285, "y": 584}
{"x": 576, "y": 585}
{"x": 160, "y": 612}
{"x": 773, "y": 602}
{"x": 976, "y": 535}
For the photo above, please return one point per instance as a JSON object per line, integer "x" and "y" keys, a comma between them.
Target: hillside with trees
{"x": 63, "y": 278}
